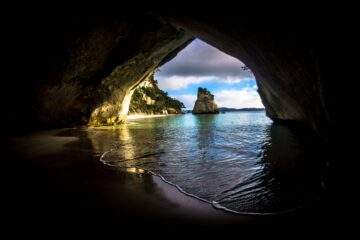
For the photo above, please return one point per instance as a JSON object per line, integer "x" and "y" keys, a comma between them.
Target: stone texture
{"x": 105, "y": 59}
{"x": 285, "y": 67}
{"x": 205, "y": 102}
{"x": 81, "y": 69}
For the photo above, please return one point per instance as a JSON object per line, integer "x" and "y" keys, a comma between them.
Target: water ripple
{"x": 234, "y": 161}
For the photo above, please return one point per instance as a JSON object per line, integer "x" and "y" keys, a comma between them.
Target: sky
{"x": 201, "y": 65}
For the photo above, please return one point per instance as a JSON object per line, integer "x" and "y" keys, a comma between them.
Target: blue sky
{"x": 201, "y": 65}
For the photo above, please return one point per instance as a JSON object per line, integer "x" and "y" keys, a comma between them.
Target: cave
{"x": 93, "y": 62}
{"x": 81, "y": 70}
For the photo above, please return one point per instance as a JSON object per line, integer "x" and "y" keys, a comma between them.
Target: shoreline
{"x": 60, "y": 175}
{"x": 133, "y": 117}
{"x": 187, "y": 204}
{"x": 58, "y": 152}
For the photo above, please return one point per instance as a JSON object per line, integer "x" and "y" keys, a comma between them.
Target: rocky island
{"x": 205, "y": 102}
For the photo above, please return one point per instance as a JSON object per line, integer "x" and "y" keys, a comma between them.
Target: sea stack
{"x": 205, "y": 102}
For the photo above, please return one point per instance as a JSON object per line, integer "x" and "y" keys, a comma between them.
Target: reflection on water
{"x": 241, "y": 160}
{"x": 135, "y": 170}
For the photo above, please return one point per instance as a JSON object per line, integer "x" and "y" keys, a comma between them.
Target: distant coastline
{"x": 225, "y": 109}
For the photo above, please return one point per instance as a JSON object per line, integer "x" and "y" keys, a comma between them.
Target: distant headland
{"x": 225, "y": 109}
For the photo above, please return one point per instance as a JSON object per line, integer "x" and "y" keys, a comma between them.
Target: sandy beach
{"x": 133, "y": 117}
{"x": 62, "y": 170}
{"x": 64, "y": 184}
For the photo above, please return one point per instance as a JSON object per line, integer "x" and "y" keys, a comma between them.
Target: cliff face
{"x": 93, "y": 65}
{"x": 147, "y": 98}
{"x": 205, "y": 102}
{"x": 293, "y": 70}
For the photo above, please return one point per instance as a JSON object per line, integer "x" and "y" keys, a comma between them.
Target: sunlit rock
{"x": 116, "y": 89}
{"x": 148, "y": 98}
{"x": 205, "y": 102}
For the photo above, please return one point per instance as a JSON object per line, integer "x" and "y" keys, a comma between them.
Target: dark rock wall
{"x": 81, "y": 68}
{"x": 284, "y": 61}
{"x": 92, "y": 62}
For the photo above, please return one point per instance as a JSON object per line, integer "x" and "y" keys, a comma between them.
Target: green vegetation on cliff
{"x": 152, "y": 100}
{"x": 203, "y": 91}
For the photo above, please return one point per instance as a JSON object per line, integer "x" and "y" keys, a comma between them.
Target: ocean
{"x": 239, "y": 161}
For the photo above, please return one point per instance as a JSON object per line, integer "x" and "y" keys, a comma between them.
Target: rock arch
{"x": 93, "y": 63}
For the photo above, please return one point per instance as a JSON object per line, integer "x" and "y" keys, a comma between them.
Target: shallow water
{"x": 241, "y": 161}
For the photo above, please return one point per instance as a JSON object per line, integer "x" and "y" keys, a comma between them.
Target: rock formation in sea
{"x": 205, "y": 102}
{"x": 147, "y": 98}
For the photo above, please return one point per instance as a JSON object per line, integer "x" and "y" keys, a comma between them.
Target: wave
{"x": 216, "y": 205}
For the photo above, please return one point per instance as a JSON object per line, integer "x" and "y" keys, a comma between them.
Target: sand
{"x": 54, "y": 179}
{"x": 67, "y": 162}
{"x": 133, "y": 117}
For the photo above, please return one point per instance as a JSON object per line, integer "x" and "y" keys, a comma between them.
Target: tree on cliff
{"x": 161, "y": 101}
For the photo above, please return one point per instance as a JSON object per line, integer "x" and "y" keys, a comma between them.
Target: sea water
{"x": 239, "y": 161}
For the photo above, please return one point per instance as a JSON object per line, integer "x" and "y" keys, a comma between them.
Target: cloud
{"x": 244, "y": 98}
{"x": 181, "y": 82}
{"x": 201, "y": 64}
{"x": 200, "y": 59}
{"x": 187, "y": 99}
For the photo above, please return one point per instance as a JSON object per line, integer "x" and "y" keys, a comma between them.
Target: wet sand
{"x": 133, "y": 117}
{"x": 54, "y": 179}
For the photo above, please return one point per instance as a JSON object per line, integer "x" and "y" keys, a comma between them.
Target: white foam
{"x": 214, "y": 204}
{"x": 102, "y": 158}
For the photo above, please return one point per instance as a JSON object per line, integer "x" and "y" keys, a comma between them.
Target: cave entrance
{"x": 174, "y": 86}
{"x": 215, "y": 157}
